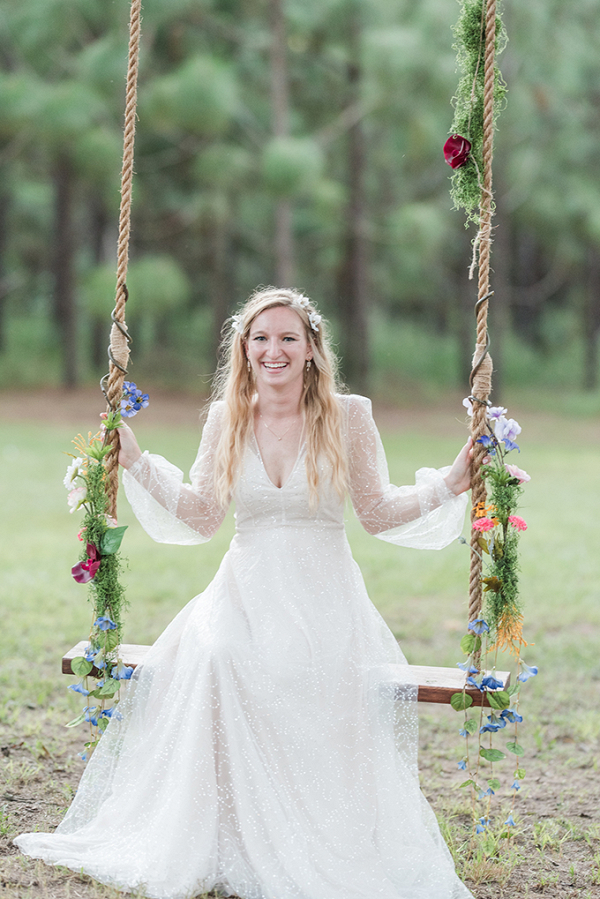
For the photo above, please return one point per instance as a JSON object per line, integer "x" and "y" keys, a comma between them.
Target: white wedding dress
{"x": 265, "y": 749}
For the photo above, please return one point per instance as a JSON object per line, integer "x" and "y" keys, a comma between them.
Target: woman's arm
{"x": 168, "y": 509}
{"x": 429, "y": 514}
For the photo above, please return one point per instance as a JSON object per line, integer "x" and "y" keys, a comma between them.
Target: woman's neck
{"x": 279, "y": 404}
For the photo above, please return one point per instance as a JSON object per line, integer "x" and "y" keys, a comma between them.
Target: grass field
{"x": 423, "y": 597}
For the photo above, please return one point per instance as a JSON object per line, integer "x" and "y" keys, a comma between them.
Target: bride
{"x": 267, "y": 747}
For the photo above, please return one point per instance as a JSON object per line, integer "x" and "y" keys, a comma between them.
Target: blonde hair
{"x": 234, "y": 384}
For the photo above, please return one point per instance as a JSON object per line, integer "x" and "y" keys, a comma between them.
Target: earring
{"x": 248, "y": 364}
{"x": 308, "y": 365}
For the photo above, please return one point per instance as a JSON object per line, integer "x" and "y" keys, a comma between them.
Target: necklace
{"x": 273, "y": 432}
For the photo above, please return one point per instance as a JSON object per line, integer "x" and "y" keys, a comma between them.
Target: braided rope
{"x": 118, "y": 350}
{"x": 482, "y": 364}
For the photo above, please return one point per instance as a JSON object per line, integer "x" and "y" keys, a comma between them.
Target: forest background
{"x": 295, "y": 143}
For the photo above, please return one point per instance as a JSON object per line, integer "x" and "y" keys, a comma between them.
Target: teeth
{"x": 274, "y": 364}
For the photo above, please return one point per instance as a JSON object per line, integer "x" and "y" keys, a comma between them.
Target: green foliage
{"x": 291, "y": 165}
{"x": 469, "y": 33}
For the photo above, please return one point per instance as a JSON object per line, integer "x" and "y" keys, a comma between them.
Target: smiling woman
{"x": 267, "y": 746}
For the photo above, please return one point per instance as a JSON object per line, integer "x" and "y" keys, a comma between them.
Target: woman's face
{"x": 277, "y": 347}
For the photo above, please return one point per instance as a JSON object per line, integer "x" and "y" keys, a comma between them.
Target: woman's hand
{"x": 458, "y": 478}
{"x": 129, "y": 451}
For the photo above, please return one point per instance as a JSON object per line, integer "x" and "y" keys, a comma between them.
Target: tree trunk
{"x": 591, "y": 320}
{"x": 4, "y": 201}
{"x": 100, "y": 327}
{"x": 283, "y": 236}
{"x": 353, "y": 272}
{"x": 63, "y": 268}
{"x": 219, "y": 279}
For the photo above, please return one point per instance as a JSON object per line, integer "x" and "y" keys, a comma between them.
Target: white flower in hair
{"x": 314, "y": 319}
{"x": 236, "y": 323}
{"x": 302, "y": 301}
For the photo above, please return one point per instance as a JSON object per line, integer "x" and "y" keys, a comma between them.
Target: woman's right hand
{"x": 129, "y": 451}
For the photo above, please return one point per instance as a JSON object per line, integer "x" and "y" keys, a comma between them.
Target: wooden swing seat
{"x": 434, "y": 684}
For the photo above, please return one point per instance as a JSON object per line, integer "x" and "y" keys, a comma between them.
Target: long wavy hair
{"x": 234, "y": 384}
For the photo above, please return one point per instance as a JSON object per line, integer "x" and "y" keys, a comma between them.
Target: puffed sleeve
{"x": 169, "y": 510}
{"x": 426, "y": 515}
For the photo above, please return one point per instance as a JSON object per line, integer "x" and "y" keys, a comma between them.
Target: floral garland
{"x": 500, "y": 629}
{"x": 463, "y": 150}
{"x": 100, "y": 669}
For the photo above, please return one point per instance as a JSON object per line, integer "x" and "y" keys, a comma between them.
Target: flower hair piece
{"x": 314, "y": 319}
{"x": 237, "y": 323}
{"x": 302, "y": 301}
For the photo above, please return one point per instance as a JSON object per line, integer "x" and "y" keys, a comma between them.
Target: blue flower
{"x": 106, "y": 713}
{"x": 463, "y": 733}
{"x": 486, "y": 441}
{"x": 79, "y": 688}
{"x": 121, "y": 672}
{"x": 462, "y": 765}
{"x": 526, "y": 672}
{"x": 511, "y": 445}
{"x": 105, "y": 624}
{"x": 510, "y": 821}
{"x": 473, "y": 683}
{"x": 89, "y": 653}
{"x": 479, "y": 626}
{"x": 466, "y": 666}
{"x": 516, "y": 785}
{"x": 492, "y": 683}
{"x": 511, "y": 715}
{"x": 91, "y": 716}
{"x": 483, "y": 793}
{"x": 495, "y": 724}
{"x": 83, "y": 756}
{"x": 483, "y": 824}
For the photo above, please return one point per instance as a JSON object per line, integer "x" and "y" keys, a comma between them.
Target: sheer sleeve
{"x": 169, "y": 510}
{"x": 426, "y": 515}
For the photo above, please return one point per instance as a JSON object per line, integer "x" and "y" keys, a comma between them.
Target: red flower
{"x": 456, "y": 150}
{"x": 83, "y": 572}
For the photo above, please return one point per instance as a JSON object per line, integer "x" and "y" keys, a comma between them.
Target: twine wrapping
{"x": 482, "y": 363}
{"x": 118, "y": 350}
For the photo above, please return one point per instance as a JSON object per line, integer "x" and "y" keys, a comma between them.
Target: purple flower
{"x": 456, "y": 151}
{"x": 495, "y": 412}
{"x": 506, "y": 428}
{"x": 83, "y": 572}
{"x": 479, "y": 626}
{"x": 526, "y": 672}
{"x": 492, "y": 683}
{"x": 105, "y": 624}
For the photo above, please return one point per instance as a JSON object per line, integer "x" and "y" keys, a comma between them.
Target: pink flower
{"x": 484, "y": 524}
{"x": 517, "y": 522}
{"x": 516, "y": 472}
{"x": 456, "y": 150}
{"x": 81, "y": 533}
{"x": 83, "y": 572}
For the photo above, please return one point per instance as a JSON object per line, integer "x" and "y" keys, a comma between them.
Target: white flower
{"x": 468, "y": 406}
{"x": 237, "y": 323}
{"x": 76, "y": 498}
{"x": 302, "y": 301}
{"x": 314, "y": 319}
{"x": 496, "y": 412}
{"x": 75, "y": 469}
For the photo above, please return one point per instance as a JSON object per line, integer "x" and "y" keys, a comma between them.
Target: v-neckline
{"x": 264, "y": 467}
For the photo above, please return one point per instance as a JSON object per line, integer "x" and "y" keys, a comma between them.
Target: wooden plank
{"x": 435, "y": 684}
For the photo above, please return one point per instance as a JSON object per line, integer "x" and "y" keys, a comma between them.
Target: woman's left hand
{"x": 458, "y": 478}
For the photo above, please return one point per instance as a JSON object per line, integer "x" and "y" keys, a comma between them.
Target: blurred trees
{"x": 291, "y": 141}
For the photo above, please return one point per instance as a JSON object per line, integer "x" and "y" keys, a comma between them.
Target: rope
{"x": 118, "y": 351}
{"x": 481, "y": 374}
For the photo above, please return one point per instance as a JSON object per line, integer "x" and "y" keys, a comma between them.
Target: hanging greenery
{"x": 464, "y": 149}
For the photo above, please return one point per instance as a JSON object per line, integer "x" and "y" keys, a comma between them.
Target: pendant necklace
{"x": 273, "y": 432}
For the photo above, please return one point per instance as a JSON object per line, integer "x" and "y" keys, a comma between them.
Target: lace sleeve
{"x": 169, "y": 510}
{"x": 426, "y": 515}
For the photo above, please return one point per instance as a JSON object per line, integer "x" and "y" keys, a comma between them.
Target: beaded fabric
{"x": 265, "y": 749}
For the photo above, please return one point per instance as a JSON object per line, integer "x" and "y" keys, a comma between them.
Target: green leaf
{"x": 102, "y": 724}
{"x": 76, "y": 721}
{"x": 109, "y": 688}
{"x": 110, "y": 639}
{"x": 493, "y": 584}
{"x": 499, "y": 699}
{"x": 467, "y": 783}
{"x": 96, "y": 694}
{"x": 467, "y": 644}
{"x": 520, "y": 773}
{"x": 483, "y": 544}
{"x": 514, "y": 689}
{"x": 513, "y": 746}
{"x": 492, "y": 755}
{"x": 494, "y": 783}
{"x": 81, "y": 666}
{"x": 471, "y": 725}
{"x": 111, "y": 540}
{"x": 460, "y": 701}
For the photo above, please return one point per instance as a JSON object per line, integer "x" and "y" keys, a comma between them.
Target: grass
{"x": 423, "y": 596}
